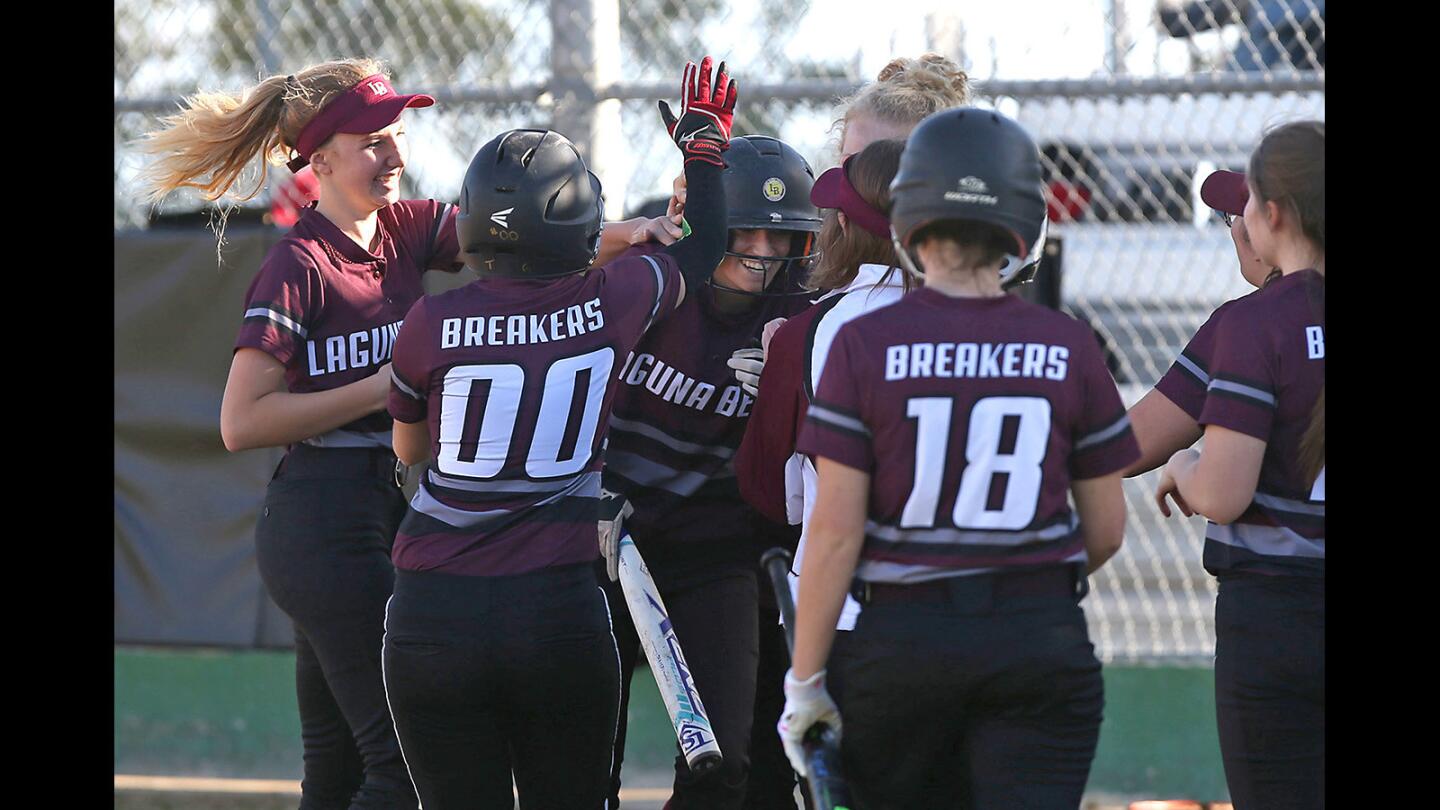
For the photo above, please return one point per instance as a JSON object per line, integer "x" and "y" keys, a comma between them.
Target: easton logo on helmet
{"x": 774, "y": 189}
{"x": 501, "y": 218}
{"x": 972, "y": 183}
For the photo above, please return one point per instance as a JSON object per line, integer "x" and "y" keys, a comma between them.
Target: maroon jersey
{"x": 1189, "y": 376}
{"x": 1267, "y": 373}
{"x": 679, "y": 416}
{"x": 515, "y": 379}
{"x": 329, "y": 309}
{"x": 971, "y": 416}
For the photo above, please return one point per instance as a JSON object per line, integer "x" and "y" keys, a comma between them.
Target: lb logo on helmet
{"x": 774, "y": 189}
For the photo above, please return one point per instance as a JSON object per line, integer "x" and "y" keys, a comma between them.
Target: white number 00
{"x": 983, "y": 461}
{"x": 559, "y": 447}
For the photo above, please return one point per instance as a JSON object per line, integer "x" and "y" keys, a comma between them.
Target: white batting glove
{"x": 747, "y": 365}
{"x": 614, "y": 508}
{"x": 806, "y": 703}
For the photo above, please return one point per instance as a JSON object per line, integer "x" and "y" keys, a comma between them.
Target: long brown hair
{"x": 843, "y": 250}
{"x": 209, "y": 144}
{"x": 1288, "y": 168}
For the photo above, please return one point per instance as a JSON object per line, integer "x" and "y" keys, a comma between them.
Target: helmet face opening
{"x": 783, "y": 274}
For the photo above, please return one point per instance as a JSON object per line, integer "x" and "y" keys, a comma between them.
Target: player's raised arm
{"x": 702, "y": 131}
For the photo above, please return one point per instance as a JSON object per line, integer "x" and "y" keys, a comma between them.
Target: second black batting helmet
{"x": 529, "y": 208}
{"x": 767, "y": 187}
{"x": 967, "y": 163}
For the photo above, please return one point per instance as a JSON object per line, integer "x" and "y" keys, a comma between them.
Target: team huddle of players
{"x": 830, "y": 364}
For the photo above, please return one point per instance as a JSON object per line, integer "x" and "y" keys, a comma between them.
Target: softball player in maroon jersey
{"x": 311, "y": 372}
{"x": 949, "y": 428}
{"x": 1260, "y": 482}
{"x": 679, "y": 415}
{"x": 1165, "y": 419}
{"x": 499, "y": 657}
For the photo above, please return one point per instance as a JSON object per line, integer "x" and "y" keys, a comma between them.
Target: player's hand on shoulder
{"x": 614, "y": 508}
{"x": 806, "y": 703}
{"x": 707, "y": 108}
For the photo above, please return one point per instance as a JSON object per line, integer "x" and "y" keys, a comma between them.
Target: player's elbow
{"x": 1221, "y": 506}
{"x": 236, "y": 435}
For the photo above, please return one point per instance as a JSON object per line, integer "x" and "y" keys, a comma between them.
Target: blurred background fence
{"x": 1132, "y": 101}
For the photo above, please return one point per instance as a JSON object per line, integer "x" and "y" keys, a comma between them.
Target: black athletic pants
{"x": 323, "y": 548}
{"x": 1270, "y": 690}
{"x": 490, "y": 677}
{"x": 713, "y": 607}
{"x": 975, "y": 692}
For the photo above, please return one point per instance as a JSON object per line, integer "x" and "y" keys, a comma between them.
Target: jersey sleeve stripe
{"x": 439, "y": 223}
{"x": 277, "y": 317}
{"x": 659, "y": 291}
{"x": 405, "y": 389}
{"x": 1105, "y": 434}
{"x": 832, "y": 418}
{"x": 1193, "y": 368}
{"x": 1269, "y": 541}
{"x": 1242, "y": 391}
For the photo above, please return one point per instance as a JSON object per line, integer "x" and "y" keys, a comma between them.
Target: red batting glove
{"x": 702, "y": 131}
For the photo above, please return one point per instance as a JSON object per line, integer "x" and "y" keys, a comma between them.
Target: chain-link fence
{"x": 1132, "y": 101}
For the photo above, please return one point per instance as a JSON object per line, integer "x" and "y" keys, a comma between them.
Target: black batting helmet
{"x": 967, "y": 163}
{"x": 529, "y": 208}
{"x": 767, "y": 187}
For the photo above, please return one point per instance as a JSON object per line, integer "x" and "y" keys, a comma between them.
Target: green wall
{"x": 226, "y": 713}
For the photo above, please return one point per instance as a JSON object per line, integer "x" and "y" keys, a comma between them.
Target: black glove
{"x": 703, "y": 129}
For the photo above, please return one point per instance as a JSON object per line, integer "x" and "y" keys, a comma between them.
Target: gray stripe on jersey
{"x": 652, "y": 432}
{"x": 1246, "y": 391}
{"x": 277, "y": 318}
{"x": 405, "y": 389}
{"x": 1120, "y": 425}
{"x": 584, "y": 486}
{"x": 659, "y": 292}
{"x": 877, "y": 571}
{"x": 971, "y": 537}
{"x": 647, "y": 473}
{"x": 1287, "y": 505}
{"x": 445, "y": 481}
{"x": 824, "y": 414}
{"x": 1189, "y": 365}
{"x": 350, "y": 438}
{"x": 1272, "y": 541}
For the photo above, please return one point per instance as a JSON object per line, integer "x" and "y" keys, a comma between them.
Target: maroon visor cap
{"x": 371, "y": 105}
{"x": 832, "y": 189}
{"x": 1225, "y": 191}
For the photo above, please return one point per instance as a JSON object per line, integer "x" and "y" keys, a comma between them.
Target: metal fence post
{"x": 584, "y": 56}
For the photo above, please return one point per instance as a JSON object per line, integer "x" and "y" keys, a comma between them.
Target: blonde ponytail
{"x": 209, "y": 144}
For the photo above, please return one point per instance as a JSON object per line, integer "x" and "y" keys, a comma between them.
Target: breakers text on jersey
{"x": 911, "y": 360}
{"x": 520, "y": 330}
{"x": 672, "y": 385}
{"x": 355, "y": 350}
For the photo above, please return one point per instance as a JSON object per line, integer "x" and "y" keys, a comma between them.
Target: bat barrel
{"x": 776, "y": 562}
{"x": 706, "y": 762}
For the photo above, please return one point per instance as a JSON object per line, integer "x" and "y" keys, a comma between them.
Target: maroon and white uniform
{"x": 679, "y": 417}
{"x": 774, "y": 478}
{"x": 329, "y": 310}
{"x": 515, "y": 379}
{"x": 1267, "y": 371}
{"x": 971, "y": 416}
{"x": 1188, "y": 378}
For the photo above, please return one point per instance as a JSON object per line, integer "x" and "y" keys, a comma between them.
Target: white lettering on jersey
{"x": 520, "y": 330}
{"x": 359, "y": 349}
{"x": 1315, "y": 342}
{"x": 949, "y": 360}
